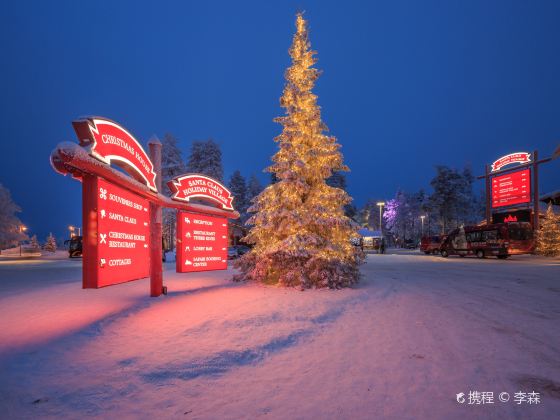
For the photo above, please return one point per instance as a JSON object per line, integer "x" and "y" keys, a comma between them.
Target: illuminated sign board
{"x": 520, "y": 157}
{"x": 116, "y": 241}
{"x": 185, "y": 187}
{"x": 510, "y": 189}
{"x": 201, "y": 242}
{"x": 108, "y": 142}
{"x": 512, "y": 217}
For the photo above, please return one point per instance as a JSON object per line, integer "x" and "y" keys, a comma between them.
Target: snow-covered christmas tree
{"x": 548, "y": 237}
{"x": 300, "y": 234}
{"x": 50, "y": 244}
{"x": 34, "y": 242}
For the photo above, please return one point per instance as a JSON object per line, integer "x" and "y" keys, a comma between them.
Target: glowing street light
{"x": 22, "y": 228}
{"x": 422, "y": 218}
{"x": 72, "y": 229}
{"x": 381, "y": 204}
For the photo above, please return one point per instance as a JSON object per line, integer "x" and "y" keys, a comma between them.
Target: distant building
{"x": 370, "y": 238}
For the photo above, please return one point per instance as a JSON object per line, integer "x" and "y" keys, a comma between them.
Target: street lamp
{"x": 381, "y": 204}
{"x": 72, "y": 229}
{"x": 422, "y": 218}
{"x": 22, "y": 228}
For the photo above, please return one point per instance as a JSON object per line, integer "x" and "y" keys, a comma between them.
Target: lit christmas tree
{"x": 548, "y": 237}
{"x": 34, "y": 242}
{"x": 50, "y": 244}
{"x": 300, "y": 234}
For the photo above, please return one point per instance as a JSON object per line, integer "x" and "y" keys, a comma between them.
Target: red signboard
{"x": 520, "y": 157}
{"x": 510, "y": 189}
{"x": 186, "y": 187}
{"x": 201, "y": 242}
{"x": 108, "y": 141}
{"x": 116, "y": 239}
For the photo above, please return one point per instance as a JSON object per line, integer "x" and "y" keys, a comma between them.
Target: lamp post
{"x": 422, "y": 219}
{"x": 381, "y": 204}
{"x": 72, "y": 229}
{"x": 22, "y": 228}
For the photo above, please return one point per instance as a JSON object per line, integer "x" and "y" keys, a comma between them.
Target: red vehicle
{"x": 500, "y": 240}
{"x": 431, "y": 244}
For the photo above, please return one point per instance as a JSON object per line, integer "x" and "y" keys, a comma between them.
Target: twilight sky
{"x": 406, "y": 85}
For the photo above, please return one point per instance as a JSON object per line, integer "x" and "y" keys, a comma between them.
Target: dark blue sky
{"x": 406, "y": 85}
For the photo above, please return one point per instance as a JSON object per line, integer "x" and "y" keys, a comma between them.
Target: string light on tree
{"x": 548, "y": 237}
{"x": 300, "y": 233}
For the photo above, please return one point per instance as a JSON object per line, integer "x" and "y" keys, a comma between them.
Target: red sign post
{"x": 201, "y": 242}
{"x": 122, "y": 217}
{"x": 116, "y": 234}
{"x": 510, "y": 189}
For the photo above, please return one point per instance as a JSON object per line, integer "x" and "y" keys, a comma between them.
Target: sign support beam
{"x": 156, "y": 263}
{"x": 536, "y": 191}
{"x": 488, "y": 193}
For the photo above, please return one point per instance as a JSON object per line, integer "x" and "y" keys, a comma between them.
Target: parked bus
{"x": 500, "y": 240}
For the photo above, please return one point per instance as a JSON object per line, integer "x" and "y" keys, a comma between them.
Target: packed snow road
{"x": 417, "y": 331}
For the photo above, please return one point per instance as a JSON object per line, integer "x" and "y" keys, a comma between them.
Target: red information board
{"x": 510, "y": 189}
{"x": 201, "y": 242}
{"x": 116, "y": 241}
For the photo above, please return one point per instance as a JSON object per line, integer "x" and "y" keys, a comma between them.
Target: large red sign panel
{"x": 201, "y": 242}
{"x": 108, "y": 141}
{"x": 117, "y": 250}
{"x": 186, "y": 187}
{"x": 510, "y": 189}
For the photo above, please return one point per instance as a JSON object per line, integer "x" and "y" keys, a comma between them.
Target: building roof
{"x": 369, "y": 233}
{"x": 553, "y": 197}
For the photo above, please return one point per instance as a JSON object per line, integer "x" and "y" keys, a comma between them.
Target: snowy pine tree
{"x": 238, "y": 189}
{"x": 34, "y": 242}
{"x": 300, "y": 234}
{"x": 206, "y": 158}
{"x": 254, "y": 187}
{"x": 338, "y": 180}
{"x": 10, "y": 231}
{"x": 548, "y": 236}
{"x": 50, "y": 244}
{"x": 172, "y": 165}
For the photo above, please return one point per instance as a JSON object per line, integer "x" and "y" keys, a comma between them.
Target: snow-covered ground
{"x": 417, "y": 331}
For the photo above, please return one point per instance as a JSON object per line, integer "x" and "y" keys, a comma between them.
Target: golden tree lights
{"x": 300, "y": 234}
{"x": 548, "y": 236}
